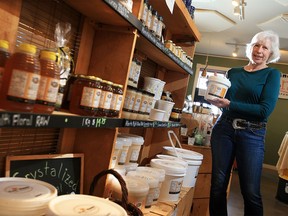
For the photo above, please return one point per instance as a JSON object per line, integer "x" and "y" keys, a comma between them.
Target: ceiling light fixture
{"x": 235, "y": 52}
{"x": 239, "y": 8}
{"x": 236, "y": 48}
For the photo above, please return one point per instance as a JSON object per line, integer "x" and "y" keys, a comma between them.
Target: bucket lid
{"x": 135, "y": 139}
{"x": 171, "y": 157}
{"x": 183, "y": 153}
{"x": 220, "y": 79}
{"x": 135, "y": 187}
{"x": 151, "y": 179}
{"x": 78, "y": 204}
{"x": 160, "y": 173}
{"x": 170, "y": 167}
{"x": 25, "y": 193}
{"x": 124, "y": 140}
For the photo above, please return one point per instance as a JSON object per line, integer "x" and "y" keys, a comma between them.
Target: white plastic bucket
{"x": 126, "y": 143}
{"x": 157, "y": 173}
{"x": 155, "y": 86}
{"x": 167, "y": 106}
{"x": 78, "y": 204}
{"x": 217, "y": 87}
{"x": 157, "y": 114}
{"x": 153, "y": 183}
{"x": 174, "y": 175}
{"x": 137, "y": 190}
{"x": 24, "y": 196}
{"x": 134, "y": 149}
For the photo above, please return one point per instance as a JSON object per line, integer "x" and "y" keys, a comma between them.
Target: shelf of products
{"x": 67, "y": 120}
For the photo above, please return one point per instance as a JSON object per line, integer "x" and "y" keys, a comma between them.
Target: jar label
{"x": 175, "y": 186}
{"x": 90, "y": 97}
{"x": 105, "y": 100}
{"x": 48, "y": 89}
{"x": 116, "y": 102}
{"x": 23, "y": 86}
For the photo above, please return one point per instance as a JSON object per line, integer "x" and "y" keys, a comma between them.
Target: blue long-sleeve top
{"x": 252, "y": 95}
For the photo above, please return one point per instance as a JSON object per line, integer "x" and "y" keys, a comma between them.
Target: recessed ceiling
{"x": 220, "y": 21}
{"x": 278, "y": 24}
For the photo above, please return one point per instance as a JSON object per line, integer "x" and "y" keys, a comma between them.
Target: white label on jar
{"x": 183, "y": 131}
{"x": 144, "y": 13}
{"x": 149, "y": 107}
{"x": 24, "y": 84}
{"x": 132, "y": 68}
{"x": 48, "y": 89}
{"x": 134, "y": 156}
{"x": 59, "y": 98}
{"x": 175, "y": 186}
{"x": 144, "y": 104}
{"x": 155, "y": 24}
{"x": 159, "y": 29}
{"x": 131, "y": 102}
{"x": 90, "y": 97}
{"x": 105, "y": 100}
{"x": 137, "y": 103}
{"x": 116, "y": 102}
{"x": 136, "y": 73}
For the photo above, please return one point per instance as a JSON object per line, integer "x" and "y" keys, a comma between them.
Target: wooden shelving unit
{"x": 109, "y": 38}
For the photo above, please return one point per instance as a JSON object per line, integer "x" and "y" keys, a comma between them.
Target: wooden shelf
{"x": 68, "y": 120}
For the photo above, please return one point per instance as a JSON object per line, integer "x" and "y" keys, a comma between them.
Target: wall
{"x": 277, "y": 123}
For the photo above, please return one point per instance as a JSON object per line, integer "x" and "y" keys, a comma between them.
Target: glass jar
{"x": 21, "y": 80}
{"x": 176, "y": 114}
{"x": 154, "y": 22}
{"x": 149, "y": 17}
{"x": 106, "y": 98}
{"x": 4, "y": 55}
{"x": 144, "y": 12}
{"x": 85, "y": 95}
{"x": 117, "y": 100}
{"x": 49, "y": 83}
{"x": 160, "y": 27}
{"x": 129, "y": 98}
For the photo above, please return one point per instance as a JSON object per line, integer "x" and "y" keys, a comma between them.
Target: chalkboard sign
{"x": 63, "y": 171}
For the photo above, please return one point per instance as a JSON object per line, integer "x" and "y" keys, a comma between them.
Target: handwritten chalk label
{"x": 65, "y": 172}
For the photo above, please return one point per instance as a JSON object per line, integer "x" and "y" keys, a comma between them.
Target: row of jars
{"x": 179, "y": 52}
{"x": 28, "y": 83}
{"x": 152, "y": 20}
{"x": 137, "y": 104}
{"x": 92, "y": 96}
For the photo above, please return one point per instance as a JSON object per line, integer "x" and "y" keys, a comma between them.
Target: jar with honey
{"x": 49, "y": 83}
{"x": 21, "y": 80}
{"x": 106, "y": 98}
{"x": 4, "y": 55}
{"x": 117, "y": 100}
{"x": 85, "y": 95}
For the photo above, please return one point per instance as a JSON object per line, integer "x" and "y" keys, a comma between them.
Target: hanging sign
{"x": 283, "y": 86}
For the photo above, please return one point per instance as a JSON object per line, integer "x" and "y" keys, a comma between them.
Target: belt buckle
{"x": 235, "y": 121}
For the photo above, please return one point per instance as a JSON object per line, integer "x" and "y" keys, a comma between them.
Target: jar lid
{"x": 45, "y": 54}
{"x": 160, "y": 173}
{"x": 28, "y": 48}
{"x": 4, "y": 44}
{"x": 170, "y": 167}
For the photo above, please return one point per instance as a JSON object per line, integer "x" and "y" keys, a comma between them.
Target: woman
{"x": 240, "y": 131}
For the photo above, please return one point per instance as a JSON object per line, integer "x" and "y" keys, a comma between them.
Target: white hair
{"x": 263, "y": 36}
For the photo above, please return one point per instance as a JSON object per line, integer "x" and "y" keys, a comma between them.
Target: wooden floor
{"x": 269, "y": 185}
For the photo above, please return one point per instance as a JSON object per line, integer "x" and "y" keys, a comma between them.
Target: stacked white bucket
{"x": 23, "y": 196}
{"x": 161, "y": 109}
{"x": 181, "y": 167}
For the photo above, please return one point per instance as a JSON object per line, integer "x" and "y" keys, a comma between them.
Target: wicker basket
{"x": 130, "y": 208}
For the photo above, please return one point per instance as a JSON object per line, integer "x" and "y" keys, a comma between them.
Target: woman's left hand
{"x": 220, "y": 102}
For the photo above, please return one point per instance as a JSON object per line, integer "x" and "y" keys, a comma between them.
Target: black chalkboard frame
{"x": 38, "y": 159}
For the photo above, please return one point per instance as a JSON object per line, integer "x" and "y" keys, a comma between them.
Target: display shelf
{"x": 67, "y": 120}
{"x": 104, "y": 12}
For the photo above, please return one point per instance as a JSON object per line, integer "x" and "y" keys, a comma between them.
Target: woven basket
{"x": 130, "y": 208}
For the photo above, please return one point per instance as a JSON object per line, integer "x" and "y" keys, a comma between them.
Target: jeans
{"x": 247, "y": 146}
